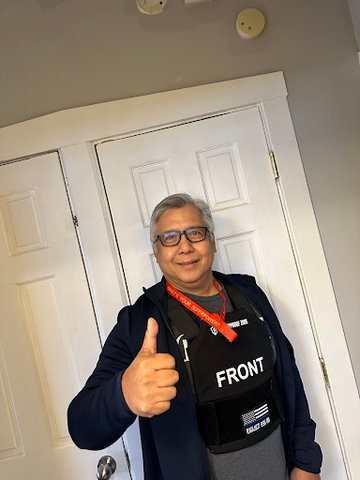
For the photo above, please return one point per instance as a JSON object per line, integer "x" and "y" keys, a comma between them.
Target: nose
{"x": 185, "y": 246}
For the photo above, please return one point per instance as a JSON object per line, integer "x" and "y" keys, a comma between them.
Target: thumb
{"x": 149, "y": 342}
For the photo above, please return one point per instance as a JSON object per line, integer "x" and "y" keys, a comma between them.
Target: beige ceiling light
{"x": 151, "y": 7}
{"x": 250, "y": 23}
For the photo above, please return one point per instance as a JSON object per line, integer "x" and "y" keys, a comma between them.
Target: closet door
{"x": 49, "y": 341}
{"x": 225, "y": 160}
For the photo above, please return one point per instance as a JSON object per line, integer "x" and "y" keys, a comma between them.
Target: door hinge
{"x": 324, "y": 371}
{"x": 273, "y": 164}
{"x": 75, "y": 220}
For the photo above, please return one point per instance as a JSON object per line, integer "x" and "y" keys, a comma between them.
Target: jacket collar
{"x": 157, "y": 291}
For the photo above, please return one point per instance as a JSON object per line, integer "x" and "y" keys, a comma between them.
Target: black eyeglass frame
{"x": 158, "y": 237}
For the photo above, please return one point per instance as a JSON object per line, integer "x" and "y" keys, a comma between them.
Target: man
{"x": 201, "y": 359}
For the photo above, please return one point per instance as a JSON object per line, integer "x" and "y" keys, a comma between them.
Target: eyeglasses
{"x": 173, "y": 237}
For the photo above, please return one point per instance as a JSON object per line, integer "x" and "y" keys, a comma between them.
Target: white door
{"x": 49, "y": 341}
{"x": 224, "y": 159}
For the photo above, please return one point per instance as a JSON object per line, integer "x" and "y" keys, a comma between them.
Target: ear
{"x": 155, "y": 252}
{"x": 213, "y": 242}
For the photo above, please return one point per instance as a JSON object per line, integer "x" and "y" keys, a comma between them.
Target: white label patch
{"x": 255, "y": 420}
{"x": 237, "y": 323}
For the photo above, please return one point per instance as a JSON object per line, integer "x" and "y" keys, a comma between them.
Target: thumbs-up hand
{"x": 149, "y": 343}
{"x": 148, "y": 382}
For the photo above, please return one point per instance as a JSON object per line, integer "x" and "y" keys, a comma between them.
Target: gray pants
{"x": 264, "y": 460}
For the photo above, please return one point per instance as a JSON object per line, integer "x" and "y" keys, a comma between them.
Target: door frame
{"x": 76, "y": 133}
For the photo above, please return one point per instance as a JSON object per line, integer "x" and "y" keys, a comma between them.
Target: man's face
{"x": 187, "y": 266}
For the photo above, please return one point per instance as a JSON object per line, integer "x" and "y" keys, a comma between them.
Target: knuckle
{"x": 163, "y": 407}
{"x": 145, "y": 408}
{"x": 146, "y": 363}
{"x": 172, "y": 393}
{"x": 142, "y": 405}
{"x": 168, "y": 359}
{"x": 174, "y": 377}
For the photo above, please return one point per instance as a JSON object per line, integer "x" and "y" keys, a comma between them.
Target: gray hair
{"x": 180, "y": 200}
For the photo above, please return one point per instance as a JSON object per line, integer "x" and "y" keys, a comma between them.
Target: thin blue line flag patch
{"x": 255, "y": 420}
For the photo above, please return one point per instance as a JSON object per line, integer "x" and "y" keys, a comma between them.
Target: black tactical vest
{"x": 237, "y": 402}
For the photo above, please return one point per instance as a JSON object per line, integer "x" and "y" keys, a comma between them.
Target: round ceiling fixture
{"x": 250, "y": 23}
{"x": 151, "y": 7}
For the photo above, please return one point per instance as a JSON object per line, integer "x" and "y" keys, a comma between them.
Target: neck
{"x": 203, "y": 290}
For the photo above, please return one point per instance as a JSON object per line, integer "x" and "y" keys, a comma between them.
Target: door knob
{"x": 105, "y": 468}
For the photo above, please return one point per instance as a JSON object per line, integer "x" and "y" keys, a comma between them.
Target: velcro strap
{"x": 221, "y": 423}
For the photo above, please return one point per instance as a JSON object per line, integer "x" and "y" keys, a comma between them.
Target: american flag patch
{"x": 255, "y": 420}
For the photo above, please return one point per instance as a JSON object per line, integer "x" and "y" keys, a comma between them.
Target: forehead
{"x": 180, "y": 219}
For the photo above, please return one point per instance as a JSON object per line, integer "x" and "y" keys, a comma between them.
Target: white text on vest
{"x": 242, "y": 372}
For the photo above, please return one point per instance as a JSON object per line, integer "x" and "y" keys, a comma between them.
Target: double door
{"x": 48, "y": 331}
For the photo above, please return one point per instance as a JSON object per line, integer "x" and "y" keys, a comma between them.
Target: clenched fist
{"x": 148, "y": 382}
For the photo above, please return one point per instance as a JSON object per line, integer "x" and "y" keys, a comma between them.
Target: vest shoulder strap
{"x": 182, "y": 320}
{"x": 239, "y": 300}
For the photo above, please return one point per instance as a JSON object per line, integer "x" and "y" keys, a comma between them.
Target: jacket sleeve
{"x": 99, "y": 415}
{"x": 304, "y": 452}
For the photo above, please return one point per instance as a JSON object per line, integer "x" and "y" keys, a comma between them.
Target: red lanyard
{"x": 213, "y": 319}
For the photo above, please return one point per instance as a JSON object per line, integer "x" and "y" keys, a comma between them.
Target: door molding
{"x": 101, "y": 121}
{"x": 77, "y": 131}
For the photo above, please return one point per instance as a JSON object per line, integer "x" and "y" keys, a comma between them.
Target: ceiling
{"x": 60, "y": 54}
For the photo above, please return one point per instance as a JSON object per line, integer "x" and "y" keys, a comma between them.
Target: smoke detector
{"x": 151, "y": 7}
{"x": 250, "y": 23}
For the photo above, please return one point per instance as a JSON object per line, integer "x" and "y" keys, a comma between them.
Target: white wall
{"x": 355, "y": 14}
{"x": 58, "y": 54}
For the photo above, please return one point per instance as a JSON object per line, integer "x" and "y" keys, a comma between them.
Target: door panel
{"x": 49, "y": 341}
{"x": 224, "y": 159}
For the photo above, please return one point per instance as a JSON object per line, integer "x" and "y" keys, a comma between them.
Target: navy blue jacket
{"x": 172, "y": 446}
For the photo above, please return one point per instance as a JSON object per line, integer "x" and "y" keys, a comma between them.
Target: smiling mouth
{"x": 189, "y": 263}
